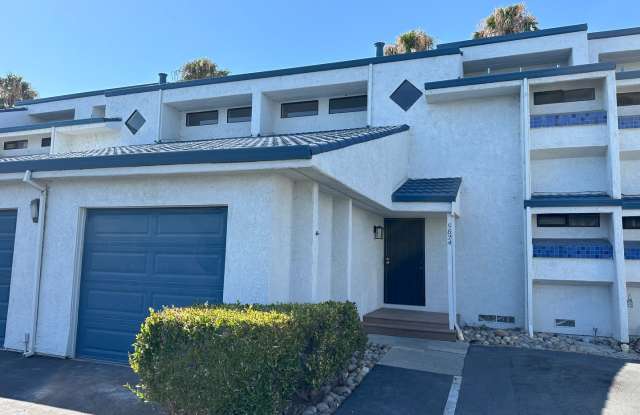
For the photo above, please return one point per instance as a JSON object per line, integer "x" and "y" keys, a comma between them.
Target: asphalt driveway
{"x": 46, "y": 385}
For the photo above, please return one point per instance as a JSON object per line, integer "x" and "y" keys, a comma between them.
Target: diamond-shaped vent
{"x": 406, "y": 95}
{"x": 135, "y": 122}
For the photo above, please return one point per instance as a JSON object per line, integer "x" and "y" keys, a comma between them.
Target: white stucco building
{"x": 492, "y": 181}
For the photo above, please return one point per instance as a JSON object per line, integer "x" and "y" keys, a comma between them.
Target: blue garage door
{"x": 7, "y": 238}
{"x": 139, "y": 258}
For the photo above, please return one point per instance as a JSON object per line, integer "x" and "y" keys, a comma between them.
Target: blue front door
{"x": 404, "y": 275}
{"x": 7, "y": 238}
{"x": 134, "y": 259}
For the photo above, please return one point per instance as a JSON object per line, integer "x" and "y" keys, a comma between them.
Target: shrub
{"x": 234, "y": 359}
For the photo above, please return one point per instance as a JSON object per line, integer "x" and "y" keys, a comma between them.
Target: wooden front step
{"x": 408, "y": 323}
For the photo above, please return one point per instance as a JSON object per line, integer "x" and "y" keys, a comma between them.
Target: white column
{"x": 304, "y": 269}
{"x": 528, "y": 243}
{"x": 451, "y": 269}
{"x": 614, "y": 142}
{"x": 525, "y": 129}
{"x": 370, "y": 97}
{"x": 619, "y": 294}
{"x": 256, "y": 112}
{"x": 52, "y": 150}
{"x": 342, "y": 249}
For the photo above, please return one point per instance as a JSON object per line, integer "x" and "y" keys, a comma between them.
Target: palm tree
{"x": 412, "y": 41}
{"x": 13, "y": 88}
{"x": 506, "y": 20}
{"x": 201, "y": 68}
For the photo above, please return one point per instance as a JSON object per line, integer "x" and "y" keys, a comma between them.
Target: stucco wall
{"x": 630, "y": 172}
{"x": 367, "y": 262}
{"x": 566, "y": 175}
{"x": 436, "y": 264}
{"x": 253, "y": 202}
{"x": 588, "y": 305}
{"x": 634, "y": 313}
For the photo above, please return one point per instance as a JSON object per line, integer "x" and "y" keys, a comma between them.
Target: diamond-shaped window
{"x": 135, "y": 122}
{"x": 406, "y": 95}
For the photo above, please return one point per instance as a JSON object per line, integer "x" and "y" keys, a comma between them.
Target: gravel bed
{"x": 602, "y": 346}
{"x": 328, "y": 398}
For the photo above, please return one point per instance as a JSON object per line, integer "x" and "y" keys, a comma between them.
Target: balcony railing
{"x": 568, "y": 119}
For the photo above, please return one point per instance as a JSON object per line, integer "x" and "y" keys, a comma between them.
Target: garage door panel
{"x": 135, "y": 259}
{"x": 7, "y": 240}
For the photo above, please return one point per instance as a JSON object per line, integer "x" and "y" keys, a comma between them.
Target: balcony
{"x": 573, "y": 260}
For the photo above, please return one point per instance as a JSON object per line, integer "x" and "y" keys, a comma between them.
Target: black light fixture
{"x": 378, "y": 232}
{"x": 35, "y": 210}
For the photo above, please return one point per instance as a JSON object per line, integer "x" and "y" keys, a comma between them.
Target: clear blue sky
{"x": 65, "y": 46}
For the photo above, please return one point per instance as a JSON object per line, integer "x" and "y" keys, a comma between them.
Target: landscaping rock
{"x": 602, "y": 346}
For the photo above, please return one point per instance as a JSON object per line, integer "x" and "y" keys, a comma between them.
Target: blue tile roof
{"x": 224, "y": 150}
{"x": 571, "y": 200}
{"x": 428, "y": 190}
{"x": 50, "y": 124}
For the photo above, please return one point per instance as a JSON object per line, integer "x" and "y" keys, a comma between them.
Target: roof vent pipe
{"x": 379, "y": 49}
{"x": 162, "y": 78}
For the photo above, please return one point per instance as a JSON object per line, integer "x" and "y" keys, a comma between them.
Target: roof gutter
{"x": 39, "y": 218}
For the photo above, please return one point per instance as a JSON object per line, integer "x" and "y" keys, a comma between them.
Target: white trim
{"x": 370, "y": 96}
{"x": 315, "y": 220}
{"x": 615, "y": 176}
{"x": 621, "y": 313}
{"x": 451, "y": 269}
{"x": 77, "y": 280}
{"x": 528, "y": 243}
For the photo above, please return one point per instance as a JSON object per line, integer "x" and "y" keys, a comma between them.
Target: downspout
{"x": 30, "y": 351}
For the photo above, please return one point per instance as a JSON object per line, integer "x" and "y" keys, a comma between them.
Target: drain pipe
{"x": 40, "y": 218}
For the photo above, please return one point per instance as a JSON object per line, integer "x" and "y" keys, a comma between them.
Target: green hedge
{"x": 233, "y": 359}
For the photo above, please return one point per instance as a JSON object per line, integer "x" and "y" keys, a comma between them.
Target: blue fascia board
{"x": 250, "y": 76}
{"x": 515, "y": 36}
{"x": 13, "y": 109}
{"x": 627, "y": 75}
{"x": 65, "y": 123}
{"x": 631, "y": 202}
{"x": 236, "y": 155}
{"x": 614, "y": 33}
{"x": 422, "y": 197}
{"x": 572, "y": 202}
{"x": 516, "y": 76}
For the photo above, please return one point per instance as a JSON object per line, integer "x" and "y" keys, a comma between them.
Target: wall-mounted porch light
{"x": 35, "y": 210}
{"x": 378, "y": 232}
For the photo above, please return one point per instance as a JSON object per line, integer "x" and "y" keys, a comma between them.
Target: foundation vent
{"x": 496, "y": 319}
{"x": 565, "y": 323}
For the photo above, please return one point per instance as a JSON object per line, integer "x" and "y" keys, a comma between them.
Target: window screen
{"x": 348, "y": 104}
{"x": 15, "y": 145}
{"x": 561, "y": 96}
{"x": 239, "y": 114}
{"x": 195, "y": 119}
{"x": 299, "y": 109}
{"x": 631, "y": 222}
{"x": 628, "y": 98}
{"x": 578, "y": 220}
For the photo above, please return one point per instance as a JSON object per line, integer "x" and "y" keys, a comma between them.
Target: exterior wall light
{"x": 378, "y": 232}
{"x": 629, "y": 301}
{"x": 35, "y": 210}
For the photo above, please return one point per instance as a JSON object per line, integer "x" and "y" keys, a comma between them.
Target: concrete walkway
{"x": 417, "y": 376}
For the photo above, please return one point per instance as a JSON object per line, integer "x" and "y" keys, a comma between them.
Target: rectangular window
{"x": 348, "y": 104}
{"x": 15, "y": 145}
{"x": 299, "y": 109}
{"x": 565, "y": 323}
{"x": 628, "y": 98}
{"x": 576, "y": 220}
{"x": 195, "y": 119}
{"x": 631, "y": 222}
{"x": 45, "y": 142}
{"x": 562, "y": 96}
{"x": 239, "y": 114}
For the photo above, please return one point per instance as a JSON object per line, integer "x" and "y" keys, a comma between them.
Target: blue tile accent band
{"x": 629, "y": 121}
{"x": 568, "y": 119}
{"x": 632, "y": 250}
{"x": 572, "y": 248}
